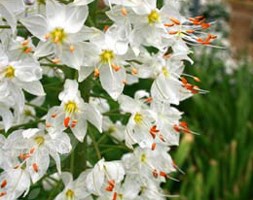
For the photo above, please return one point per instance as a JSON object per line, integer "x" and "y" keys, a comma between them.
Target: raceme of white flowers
{"x": 63, "y": 35}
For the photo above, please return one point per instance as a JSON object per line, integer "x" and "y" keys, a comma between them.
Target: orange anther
{"x": 2, "y": 194}
{"x": 163, "y": 174}
{"x": 169, "y": 25}
{"x": 110, "y": 186}
{"x": 4, "y": 183}
{"x": 205, "y": 25}
{"x": 47, "y": 36}
{"x": 149, "y": 100}
{"x": 153, "y": 131}
{"x": 56, "y": 60}
{"x": 35, "y": 167}
{"x": 134, "y": 71}
{"x": 28, "y": 50}
{"x": 66, "y": 121}
{"x": 114, "y": 196}
{"x": 106, "y": 27}
{"x": 173, "y": 32}
{"x": 176, "y": 128}
{"x": 96, "y": 72}
{"x": 48, "y": 125}
{"x": 153, "y": 146}
{"x": 116, "y": 67}
{"x": 196, "y": 79}
{"x": 175, "y": 21}
{"x": 32, "y": 150}
{"x": 124, "y": 11}
{"x": 71, "y": 48}
{"x": 73, "y": 124}
{"x": 54, "y": 115}
{"x": 25, "y": 43}
{"x": 190, "y": 31}
{"x": 24, "y": 156}
{"x": 155, "y": 173}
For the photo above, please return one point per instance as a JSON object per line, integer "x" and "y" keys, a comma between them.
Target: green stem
{"x": 9, "y": 27}
{"x": 13, "y": 128}
{"x": 95, "y": 146}
{"x": 37, "y": 107}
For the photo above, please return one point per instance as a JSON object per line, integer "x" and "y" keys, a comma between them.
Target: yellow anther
{"x": 138, "y": 118}
{"x": 39, "y": 140}
{"x": 57, "y": 36}
{"x": 165, "y": 72}
{"x": 153, "y": 17}
{"x": 106, "y": 56}
{"x": 9, "y": 72}
{"x": 70, "y": 107}
{"x": 70, "y": 194}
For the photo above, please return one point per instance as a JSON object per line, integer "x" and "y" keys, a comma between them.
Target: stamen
{"x": 134, "y": 71}
{"x": 35, "y": 167}
{"x": 2, "y": 194}
{"x": 96, "y": 72}
{"x": 56, "y": 60}
{"x": 4, "y": 183}
{"x": 110, "y": 186}
{"x": 54, "y": 115}
{"x": 66, "y": 121}
{"x": 71, "y": 48}
{"x": 169, "y": 25}
{"x": 73, "y": 124}
{"x": 153, "y": 146}
{"x": 114, "y": 196}
{"x": 173, "y": 32}
{"x": 153, "y": 131}
{"x": 175, "y": 21}
{"x": 9, "y": 72}
{"x": 116, "y": 67}
{"x": 155, "y": 173}
{"x": 124, "y": 11}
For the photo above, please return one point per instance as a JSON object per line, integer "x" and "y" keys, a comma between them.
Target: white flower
{"x": 73, "y": 189}
{"x": 74, "y": 112}
{"x": 34, "y": 149}
{"x": 58, "y": 30}
{"x": 104, "y": 177}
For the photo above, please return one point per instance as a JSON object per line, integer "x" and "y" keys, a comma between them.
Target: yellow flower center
{"x": 70, "y": 194}
{"x": 58, "y": 35}
{"x": 70, "y": 107}
{"x": 9, "y": 72}
{"x": 153, "y": 17}
{"x": 143, "y": 157}
{"x": 106, "y": 56}
{"x": 165, "y": 72}
{"x": 39, "y": 140}
{"x": 138, "y": 118}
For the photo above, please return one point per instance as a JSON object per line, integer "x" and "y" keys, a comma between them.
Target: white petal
{"x": 80, "y": 129}
{"x": 7, "y": 118}
{"x": 37, "y": 25}
{"x": 112, "y": 82}
{"x": 84, "y": 72}
{"x": 43, "y": 49}
{"x": 94, "y": 116}
{"x": 34, "y": 87}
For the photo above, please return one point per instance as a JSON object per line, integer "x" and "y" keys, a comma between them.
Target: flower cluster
{"x": 141, "y": 41}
